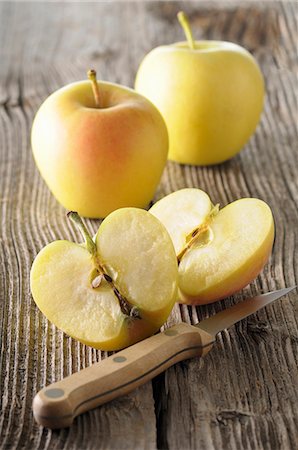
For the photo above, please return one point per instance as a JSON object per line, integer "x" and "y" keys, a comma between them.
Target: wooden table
{"x": 244, "y": 393}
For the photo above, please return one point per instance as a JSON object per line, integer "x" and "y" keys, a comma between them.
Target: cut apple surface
{"x": 182, "y": 212}
{"x": 114, "y": 292}
{"x": 224, "y": 252}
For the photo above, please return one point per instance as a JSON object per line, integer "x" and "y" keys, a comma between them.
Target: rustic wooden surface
{"x": 244, "y": 393}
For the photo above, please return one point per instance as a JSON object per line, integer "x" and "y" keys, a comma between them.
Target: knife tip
{"x": 286, "y": 290}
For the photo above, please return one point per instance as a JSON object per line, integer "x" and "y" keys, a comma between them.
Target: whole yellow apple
{"x": 99, "y": 147}
{"x": 210, "y": 94}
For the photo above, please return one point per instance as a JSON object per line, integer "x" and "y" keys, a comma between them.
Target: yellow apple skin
{"x": 96, "y": 160}
{"x": 211, "y": 98}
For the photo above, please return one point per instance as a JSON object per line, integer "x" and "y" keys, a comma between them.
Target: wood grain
{"x": 244, "y": 393}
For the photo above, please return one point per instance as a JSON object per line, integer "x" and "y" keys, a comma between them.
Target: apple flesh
{"x": 98, "y": 159}
{"x": 181, "y": 213}
{"x": 224, "y": 251}
{"x": 211, "y": 97}
{"x": 117, "y": 293}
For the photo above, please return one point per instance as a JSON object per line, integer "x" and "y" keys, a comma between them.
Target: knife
{"x": 58, "y": 404}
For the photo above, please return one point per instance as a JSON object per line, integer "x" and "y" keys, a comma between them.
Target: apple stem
{"x": 184, "y": 22}
{"x": 92, "y": 77}
{"x": 76, "y": 219}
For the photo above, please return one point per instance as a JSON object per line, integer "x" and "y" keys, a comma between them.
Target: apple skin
{"x": 96, "y": 160}
{"x": 211, "y": 98}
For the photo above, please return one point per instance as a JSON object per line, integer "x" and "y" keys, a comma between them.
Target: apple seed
{"x": 97, "y": 281}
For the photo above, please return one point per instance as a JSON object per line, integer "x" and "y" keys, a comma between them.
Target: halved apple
{"x": 219, "y": 251}
{"x": 112, "y": 292}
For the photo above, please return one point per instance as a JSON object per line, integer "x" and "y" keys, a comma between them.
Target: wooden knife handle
{"x": 57, "y": 405}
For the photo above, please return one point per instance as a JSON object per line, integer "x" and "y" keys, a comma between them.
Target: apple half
{"x": 219, "y": 251}
{"x": 114, "y": 290}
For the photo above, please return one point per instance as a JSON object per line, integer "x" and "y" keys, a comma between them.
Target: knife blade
{"x": 228, "y": 317}
{"x": 56, "y": 405}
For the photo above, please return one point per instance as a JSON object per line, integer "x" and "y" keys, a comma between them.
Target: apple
{"x": 219, "y": 251}
{"x": 99, "y": 147}
{"x": 210, "y": 94}
{"x": 114, "y": 290}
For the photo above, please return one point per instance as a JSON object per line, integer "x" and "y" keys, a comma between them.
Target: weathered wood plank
{"x": 244, "y": 394}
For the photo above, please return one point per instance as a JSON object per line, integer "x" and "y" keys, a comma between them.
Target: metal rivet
{"x": 171, "y": 332}
{"x": 119, "y": 359}
{"x": 54, "y": 393}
